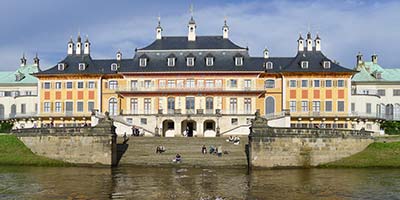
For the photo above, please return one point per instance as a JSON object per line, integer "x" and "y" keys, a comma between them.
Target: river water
{"x": 189, "y": 183}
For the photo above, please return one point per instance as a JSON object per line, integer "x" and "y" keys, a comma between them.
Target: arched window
{"x": 13, "y": 111}
{"x": 113, "y": 106}
{"x": 269, "y": 83}
{"x": 389, "y": 111}
{"x": 269, "y": 105}
{"x": 1, "y": 111}
{"x": 396, "y": 112}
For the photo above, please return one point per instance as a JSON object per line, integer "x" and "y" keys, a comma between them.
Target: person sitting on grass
{"x": 177, "y": 159}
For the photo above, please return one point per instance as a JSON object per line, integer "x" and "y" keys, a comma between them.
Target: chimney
{"x": 374, "y": 58}
{"x": 266, "y": 53}
{"x": 359, "y": 58}
{"x": 300, "y": 43}
{"x": 317, "y": 43}
{"x": 309, "y": 42}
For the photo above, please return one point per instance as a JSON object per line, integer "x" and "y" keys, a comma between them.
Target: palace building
{"x": 194, "y": 85}
{"x": 18, "y": 94}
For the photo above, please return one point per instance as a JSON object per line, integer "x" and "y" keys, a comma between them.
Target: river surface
{"x": 189, "y": 183}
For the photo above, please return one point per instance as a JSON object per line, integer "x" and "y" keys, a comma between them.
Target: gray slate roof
{"x": 202, "y": 42}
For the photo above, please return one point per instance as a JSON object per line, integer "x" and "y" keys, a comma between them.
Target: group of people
{"x": 234, "y": 140}
{"x": 160, "y": 149}
{"x": 136, "y": 131}
{"x": 213, "y": 150}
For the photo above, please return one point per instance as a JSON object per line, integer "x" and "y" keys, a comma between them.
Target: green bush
{"x": 391, "y": 127}
{"x": 5, "y": 127}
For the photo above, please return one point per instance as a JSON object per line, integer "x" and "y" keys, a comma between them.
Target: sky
{"x": 346, "y": 27}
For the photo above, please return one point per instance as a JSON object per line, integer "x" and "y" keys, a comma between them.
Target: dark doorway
{"x": 190, "y": 129}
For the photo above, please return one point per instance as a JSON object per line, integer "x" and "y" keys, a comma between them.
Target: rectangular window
{"x": 171, "y": 62}
{"x": 200, "y": 83}
{"x": 113, "y": 85}
{"x": 381, "y": 92}
{"x": 134, "y": 106}
{"x": 80, "y": 85}
{"x": 269, "y": 83}
{"x": 171, "y": 84}
{"x": 292, "y": 83}
{"x": 147, "y": 84}
{"x": 340, "y": 83}
{"x": 234, "y": 121}
{"x": 134, "y": 84}
{"x": 209, "y": 83}
{"x": 190, "y": 83}
{"x": 328, "y": 106}
{"x": 353, "y": 107}
{"x": 190, "y": 105}
{"x": 23, "y": 108}
{"x": 143, "y": 121}
{"x": 58, "y": 107}
{"x": 58, "y": 85}
{"x": 233, "y": 105}
{"x": 218, "y": 83}
{"x": 90, "y": 106}
{"x": 328, "y": 83}
{"x": 368, "y": 109}
{"x": 239, "y": 61}
{"x": 340, "y": 106}
{"x": 316, "y": 106}
{"x": 171, "y": 105}
{"x": 129, "y": 120}
{"x": 147, "y": 106}
{"x": 69, "y": 108}
{"x": 316, "y": 83}
{"x": 79, "y": 106}
{"x": 142, "y": 62}
{"x": 47, "y": 85}
{"x": 304, "y": 83}
{"x": 304, "y": 106}
{"x": 396, "y": 92}
{"x": 190, "y": 61}
{"x": 179, "y": 83}
{"x": 46, "y": 107}
{"x": 247, "y": 105}
{"x": 247, "y": 84}
{"x": 91, "y": 84}
{"x": 304, "y": 64}
{"x": 209, "y": 105}
{"x": 292, "y": 106}
{"x": 69, "y": 85}
{"x": 233, "y": 83}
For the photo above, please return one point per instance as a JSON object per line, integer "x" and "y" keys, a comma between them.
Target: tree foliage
{"x": 391, "y": 127}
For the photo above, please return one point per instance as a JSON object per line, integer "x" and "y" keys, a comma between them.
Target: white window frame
{"x": 80, "y": 82}
{"x": 304, "y": 106}
{"x": 233, "y": 105}
{"x": 326, "y": 106}
{"x": 78, "y": 103}
{"x": 326, "y": 83}
{"x": 239, "y": 61}
{"x": 209, "y": 61}
{"x": 114, "y": 67}
{"x": 315, "y": 83}
{"x": 292, "y": 83}
{"x": 47, "y": 107}
{"x": 58, "y": 85}
{"x": 66, "y": 84}
{"x": 190, "y": 61}
{"x": 91, "y": 84}
{"x": 233, "y": 81}
{"x": 190, "y": 83}
{"x": 342, "y": 110}
{"x": 304, "y": 64}
{"x": 247, "y": 106}
{"x": 45, "y": 84}
{"x": 340, "y": 81}
{"x": 81, "y": 66}
{"x": 171, "y": 62}
{"x": 304, "y": 83}
{"x": 61, "y": 66}
{"x": 293, "y": 106}
{"x": 114, "y": 84}
{"x": 58, "y": 107}
{"x": 142, "y": 62}
{"x": 327, "y": 64}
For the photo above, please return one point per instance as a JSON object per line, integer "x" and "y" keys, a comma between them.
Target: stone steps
{"x": 141, "y": 151}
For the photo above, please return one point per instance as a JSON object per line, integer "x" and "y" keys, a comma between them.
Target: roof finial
{"x": 191, "y": 10}
{"x": 159, "y": 19}
{"x": 225, "y": 18}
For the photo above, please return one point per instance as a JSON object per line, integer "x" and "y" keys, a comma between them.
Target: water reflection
{"x": 176, "y": 183}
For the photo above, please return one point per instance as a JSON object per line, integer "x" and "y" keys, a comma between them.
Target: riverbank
{"x": 376, "y": 155}
{"x": 14, "y": 152}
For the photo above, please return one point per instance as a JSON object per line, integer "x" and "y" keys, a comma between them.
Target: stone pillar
{"x": 200, "y": 130}
{"x": 178, "y": 128}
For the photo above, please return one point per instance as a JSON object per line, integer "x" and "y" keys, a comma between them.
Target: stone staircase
{"x": 141, "y": 152}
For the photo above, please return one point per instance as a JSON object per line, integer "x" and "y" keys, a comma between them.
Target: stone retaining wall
{"x": 83, "y": 145}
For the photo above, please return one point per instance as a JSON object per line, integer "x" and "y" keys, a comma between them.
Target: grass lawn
{"x": 14, "y": 152}
{"x": 377, "y": 154}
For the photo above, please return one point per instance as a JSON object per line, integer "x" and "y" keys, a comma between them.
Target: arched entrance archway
{"x": 209, "y": 128}
{"x": 168, "y": 128}
{"x": 189, "y": 128}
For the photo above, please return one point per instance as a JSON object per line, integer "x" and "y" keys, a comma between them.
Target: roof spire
{"x": 225, "y": 29}
{"x": 192, "y": 26}
{"x": 159, "y": 29}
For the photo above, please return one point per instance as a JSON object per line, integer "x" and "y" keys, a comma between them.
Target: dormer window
{"x": 269, "y": 65}
{"x": 238, "y": 61}
{"x": 61, "y": 66}
{"x": 377, "y": 75}
{"x": 327, "y": 64}
{"x": 190, "y": 61}
{"x": 114, "y": 67}
{"x": 142, "y": 62}
{"x": 171, "y": 62}
{"x": 304, "y": 64}
{"x": 209, "y": 61}
{"x": 82, "y": 66}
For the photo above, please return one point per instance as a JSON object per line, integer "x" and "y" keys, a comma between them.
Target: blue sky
{"x": 346, "y": 27}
